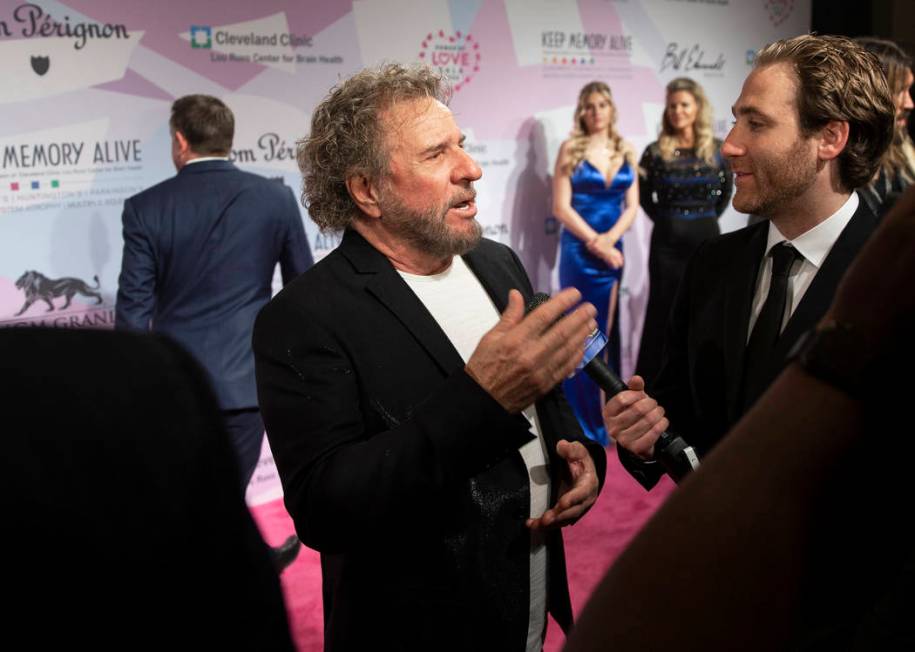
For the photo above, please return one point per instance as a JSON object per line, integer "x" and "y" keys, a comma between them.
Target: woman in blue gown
{"x": 596, "y": 197}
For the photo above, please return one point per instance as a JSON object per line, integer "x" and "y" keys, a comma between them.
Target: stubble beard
{"x": 427, "y": 231}
{"x": 785, "y": 179}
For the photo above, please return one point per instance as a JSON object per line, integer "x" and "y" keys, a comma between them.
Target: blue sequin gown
{"x": 600, "y": 205}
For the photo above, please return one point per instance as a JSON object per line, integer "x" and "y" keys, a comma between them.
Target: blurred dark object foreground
{"x": 126, "y": 527}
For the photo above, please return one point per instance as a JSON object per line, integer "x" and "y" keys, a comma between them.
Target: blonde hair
{"x": 578, "y": 142}
{"x": 347, "y": 136}
{"x": 704, "y": 142}
{"x": 840, "y": 80}
{"x": 896, "y": 64}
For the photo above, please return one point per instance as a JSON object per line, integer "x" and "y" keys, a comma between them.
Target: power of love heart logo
{"x": 779, "y": 10}
{"x": 455, "y": 56}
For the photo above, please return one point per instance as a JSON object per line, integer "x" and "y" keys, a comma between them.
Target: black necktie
{"x": 768, "y": 325}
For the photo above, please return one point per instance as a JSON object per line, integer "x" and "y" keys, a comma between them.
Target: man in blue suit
{"x": 200, "y": 250}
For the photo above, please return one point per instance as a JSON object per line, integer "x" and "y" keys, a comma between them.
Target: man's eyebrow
{"x": 441, "y": 146}
{"x": 749, "y": 111}
{"x": 432, "y": 149}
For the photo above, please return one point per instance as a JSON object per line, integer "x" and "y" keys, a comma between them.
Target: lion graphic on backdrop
{"x": 37, "y": 286}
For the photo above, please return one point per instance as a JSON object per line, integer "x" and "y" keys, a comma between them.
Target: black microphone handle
{"x": 604, "y": 377}
{"x": 676, "y": 456}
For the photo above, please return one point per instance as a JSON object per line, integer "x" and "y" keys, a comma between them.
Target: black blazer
{"x": 399, "y": 468}
{"x": 700, "y": 379}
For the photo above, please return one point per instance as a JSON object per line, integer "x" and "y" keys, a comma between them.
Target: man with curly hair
{"x": 811, "y": 124}
{"x": 423, "y": 446}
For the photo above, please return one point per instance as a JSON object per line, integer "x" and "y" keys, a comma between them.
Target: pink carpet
{"x": 591, "y": 546}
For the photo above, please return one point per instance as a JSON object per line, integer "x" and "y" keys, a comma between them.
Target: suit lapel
{"x": 496, "y": 285}
{"x": 823, "y": 287}
{"x": 386, "y": 285}
{"x": 739, "y": 299}
{"x": 497, "y": 279}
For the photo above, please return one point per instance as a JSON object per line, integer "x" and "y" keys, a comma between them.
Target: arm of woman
{"x": 604, "y": 245}
{"x": 646, "y": 182}
{"x": 630, "y": 210}
{"x": 562, "y": 200}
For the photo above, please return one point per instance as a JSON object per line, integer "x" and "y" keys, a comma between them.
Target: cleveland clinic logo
{"x": 456, "y": 56}
{"x": 201, "y": 37}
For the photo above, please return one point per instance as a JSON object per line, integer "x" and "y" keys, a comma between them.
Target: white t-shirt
{"x": 465, "y": 312}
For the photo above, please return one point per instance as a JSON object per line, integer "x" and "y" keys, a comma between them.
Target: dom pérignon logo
{"x": 456, "y": 56}
{"x": 41, "y": 65}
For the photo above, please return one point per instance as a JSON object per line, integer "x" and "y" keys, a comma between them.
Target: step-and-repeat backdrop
{"x": 87, "y": 87}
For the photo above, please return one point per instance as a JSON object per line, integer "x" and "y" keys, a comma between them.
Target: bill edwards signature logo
{"x": 455, "y": 56}
{"x": 690, "y": 58}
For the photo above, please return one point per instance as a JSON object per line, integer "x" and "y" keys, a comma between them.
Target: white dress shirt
{"x": 813, "y": 245}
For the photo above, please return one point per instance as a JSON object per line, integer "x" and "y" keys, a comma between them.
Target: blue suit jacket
{"x": 200, "y": 250}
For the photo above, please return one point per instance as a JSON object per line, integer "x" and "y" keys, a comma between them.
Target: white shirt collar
{"x": 457, "y": 266}
{"x": 207, "y": 158}
{"x": 815, "y": 244}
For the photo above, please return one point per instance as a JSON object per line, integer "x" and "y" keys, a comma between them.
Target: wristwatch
{"x": 837, "y": 354}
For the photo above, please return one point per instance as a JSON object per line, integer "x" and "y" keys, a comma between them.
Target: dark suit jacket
{"x": 199, "y": 254}
{"x": 700, "y": 379}
{"x": 396, "y": 466}
{"x": 127, "y": 527}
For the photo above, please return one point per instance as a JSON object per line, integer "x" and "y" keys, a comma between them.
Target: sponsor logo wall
{"x": 88, "y": 86}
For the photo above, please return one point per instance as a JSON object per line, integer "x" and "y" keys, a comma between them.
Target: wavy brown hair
{"x": 579, "y": 136}
{"x": 702, "y": 128}
{"x": 896, "y": 64}
{"x": 347, "y": 136}
{"x": 840, "y": 80}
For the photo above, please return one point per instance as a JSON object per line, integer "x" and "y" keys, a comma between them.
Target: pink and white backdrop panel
{"x": 88, "y": 85}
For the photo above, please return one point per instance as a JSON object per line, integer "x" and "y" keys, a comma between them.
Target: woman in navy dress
{"x": 596, "y": 197}
{"x": 685, "y": 186}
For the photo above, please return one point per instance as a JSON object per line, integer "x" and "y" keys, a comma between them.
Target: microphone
{"x": 676, "y": 456}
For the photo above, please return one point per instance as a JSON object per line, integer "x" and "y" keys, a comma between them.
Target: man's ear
{"x": 364, "y": 193}
{"x": 183, "y": 146}
{"x": 833, "y": 138}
